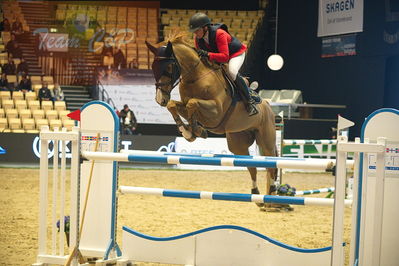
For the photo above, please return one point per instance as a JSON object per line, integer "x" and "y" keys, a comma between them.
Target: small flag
{"x": 344, "y": 123}
{"x": 75, "y": 115}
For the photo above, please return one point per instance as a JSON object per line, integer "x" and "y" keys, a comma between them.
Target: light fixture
{"x": 275, "y": 61}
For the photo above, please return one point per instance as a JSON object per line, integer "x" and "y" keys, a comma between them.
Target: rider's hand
{"x": 202, "y": 53}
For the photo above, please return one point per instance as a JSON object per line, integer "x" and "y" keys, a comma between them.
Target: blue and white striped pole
{"x": 315, "y": 191}
{"x": 331, "y": 162}
{"x": 229, "y": 196}
{"x": 314, "y": 164}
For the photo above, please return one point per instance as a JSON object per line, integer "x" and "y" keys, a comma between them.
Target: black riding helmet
{"x": 198, "y": 20}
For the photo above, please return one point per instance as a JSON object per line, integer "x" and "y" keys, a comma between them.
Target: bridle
{"x": 174, "y": 76}
{"x": 159, "y": 67}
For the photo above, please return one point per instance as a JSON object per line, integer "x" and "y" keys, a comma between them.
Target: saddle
{"x": 234, "y": 91}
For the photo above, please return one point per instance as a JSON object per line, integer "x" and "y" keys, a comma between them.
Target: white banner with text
{"x": 340, "y": 17}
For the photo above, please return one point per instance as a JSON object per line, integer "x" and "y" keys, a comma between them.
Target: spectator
{"x": 134, "y": 64}
{"x": 25, "y": 84}
{"x": 5, "y": 25}
{"x": 58, "y": 94}
{"x": 128, "y": 120}
{"x": 17, "y": 51}
{"x": 3, "y": 82}
{"x": 22, "y": 68}
{"x": 108, "y": 60}
{"x": 17, "y": 27}
{"x": 9, "y": 68}
{"x": 119, "y": 59}
{"x": 44, "y": 93}
{"x": 10, "y": 44}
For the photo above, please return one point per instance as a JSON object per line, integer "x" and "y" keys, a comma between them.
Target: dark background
{"x": 364, "y": 83}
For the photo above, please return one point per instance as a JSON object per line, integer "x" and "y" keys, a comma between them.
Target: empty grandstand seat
{"x": 5, "y": 95}
{"x": 25, "y": 113}
{"x": 11, "y": 113}
{"x": 47, "y": 105}
{"x": 69, "y": 124}
{"x": 3, "y": 56}
{"x": 269, "y": 95}
{"x": 12, "y": 79}
{"x": 30, "y": 95}
{"x": 28, "y": 123}
{"x": 51, "y": 114}
{"x": 40, "y": 123}
{"x": 2, "y": 112}
{"x": 14, "y": 123}
{"x": 18, "y": 95}
{"x": 38, "y": 114}
{"x": 36, "y": 88}
{"x": 34, "y": 105}
{"x": 55, "y": 123}
{"x": 20, "y": 104}
{"x": 59, "y": 105}
{"x": 48, "y": 79}
{"x": 36, "y": 80}
{"x": 290, "y": 96}
{"x": 7, "y": 104}
{"x": 3, "y": 124}
{"x": 63, "y": 114}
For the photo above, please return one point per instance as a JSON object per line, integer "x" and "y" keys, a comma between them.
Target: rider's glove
{"x": 202, "y": 53}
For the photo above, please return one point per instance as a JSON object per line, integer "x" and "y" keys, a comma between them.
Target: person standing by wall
{"x": 128, "y": 120}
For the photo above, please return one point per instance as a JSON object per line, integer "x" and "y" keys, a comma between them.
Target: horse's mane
{"x": 177, "y": 37}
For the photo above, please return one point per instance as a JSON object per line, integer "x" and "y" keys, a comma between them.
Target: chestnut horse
{"x": 206, "y": 103}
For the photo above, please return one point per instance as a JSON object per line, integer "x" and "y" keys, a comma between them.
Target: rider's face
{"x": 199, "y": 33}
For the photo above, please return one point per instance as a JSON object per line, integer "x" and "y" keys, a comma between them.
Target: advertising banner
{"x": 16, "y": 149}
{"x": 136, "y": 88}
{"x": 338, "y": 46}
{"x": 141, "y": 99}
{"x": 340, "y": 17}
{"x": 208, "y": 146}
{"x": 54, "y": 42}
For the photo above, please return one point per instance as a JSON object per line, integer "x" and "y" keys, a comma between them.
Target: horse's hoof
{"x": 187, "y": 134}
{"x": 204, "y": 134}
{"x": 191, "y": 139}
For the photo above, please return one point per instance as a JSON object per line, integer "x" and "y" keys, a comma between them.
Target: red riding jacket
{"x": 223, "y": 39}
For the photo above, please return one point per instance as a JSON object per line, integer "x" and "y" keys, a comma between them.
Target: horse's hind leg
{"x": 266, "y": 140}
{"x": 238, "y": 144}
{"x": 267, "y": 144}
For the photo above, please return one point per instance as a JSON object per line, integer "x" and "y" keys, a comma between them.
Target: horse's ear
{"x": 152, "y": 48}
{"x": 169, "y": 49}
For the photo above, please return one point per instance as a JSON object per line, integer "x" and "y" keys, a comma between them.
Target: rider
{"x": 215, "y": 43}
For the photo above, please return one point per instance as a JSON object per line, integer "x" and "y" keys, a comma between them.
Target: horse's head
{"x": 166, "y": 71}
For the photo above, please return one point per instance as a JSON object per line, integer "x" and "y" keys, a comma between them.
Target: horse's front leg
{"x": 178, "y": 110}
{"x": 198, "y": 107}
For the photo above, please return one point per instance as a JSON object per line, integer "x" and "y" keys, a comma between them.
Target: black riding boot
{"x": 249, "y": 102}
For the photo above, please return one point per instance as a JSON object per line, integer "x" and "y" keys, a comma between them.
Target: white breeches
{"x": 235, "y": 64}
